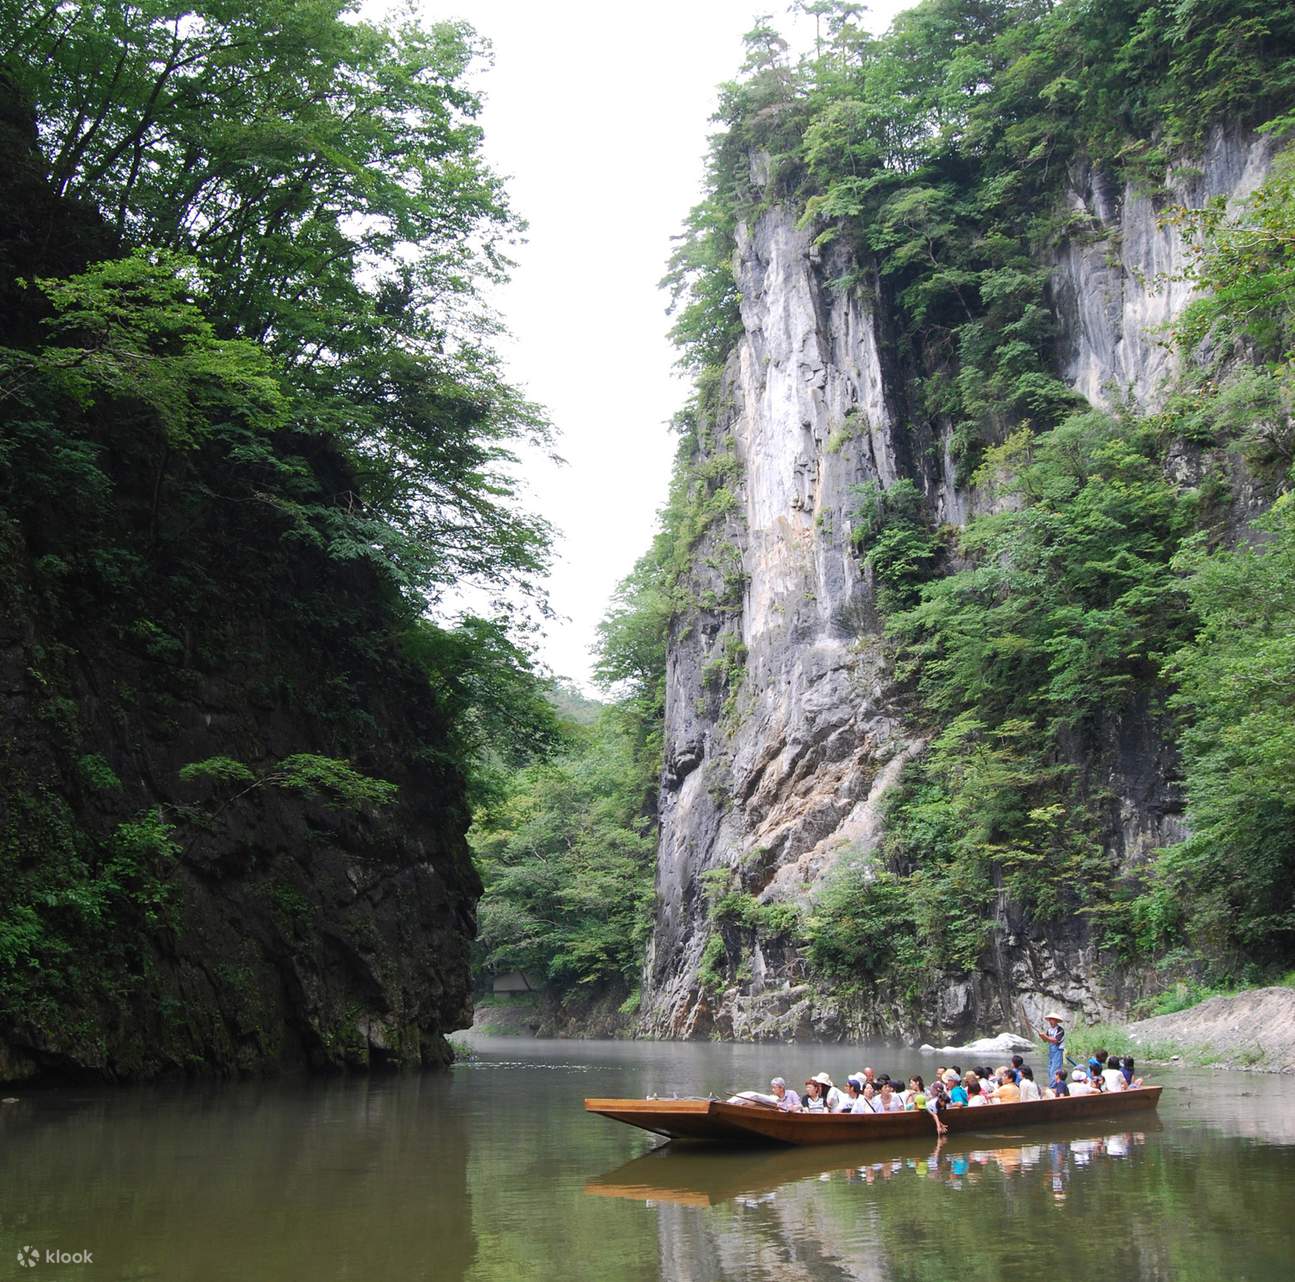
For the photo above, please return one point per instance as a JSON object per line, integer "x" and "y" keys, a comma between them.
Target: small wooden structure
{"x": 515, "y": 981}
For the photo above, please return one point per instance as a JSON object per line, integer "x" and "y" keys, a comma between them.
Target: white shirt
{"x": 1082, "y": 1088}
{"x": 1029, "y": 1090}
{"x": 1114, "y": 1079}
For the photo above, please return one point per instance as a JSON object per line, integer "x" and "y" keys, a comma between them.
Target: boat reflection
{"x": 710, "y": 1176}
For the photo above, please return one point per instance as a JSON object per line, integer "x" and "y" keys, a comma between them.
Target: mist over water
{"x": 494, "y": 1172}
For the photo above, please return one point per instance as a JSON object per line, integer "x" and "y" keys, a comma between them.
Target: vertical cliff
{"x": 162, "y": 607}
{"x": 782, "y": 732}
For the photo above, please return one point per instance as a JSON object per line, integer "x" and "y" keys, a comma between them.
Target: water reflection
{"x": 1115, "y": 1202}
{"x": 712, "y": 1177}
{"x": 483, "y": 1175}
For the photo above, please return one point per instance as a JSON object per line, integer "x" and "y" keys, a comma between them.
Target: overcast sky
{"x": 598, "y": 114}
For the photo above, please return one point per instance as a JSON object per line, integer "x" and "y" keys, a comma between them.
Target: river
{"x": 493, "y": 1173}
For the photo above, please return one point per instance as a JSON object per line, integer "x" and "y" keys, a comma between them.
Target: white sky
{"x": 598, "y": 114}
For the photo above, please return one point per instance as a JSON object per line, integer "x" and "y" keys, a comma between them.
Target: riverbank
{"x": 1252, "y": 1031}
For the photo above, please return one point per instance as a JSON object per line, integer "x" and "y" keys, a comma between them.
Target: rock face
{"x": 270, "y": 929}
{"x": 785, "y": 776}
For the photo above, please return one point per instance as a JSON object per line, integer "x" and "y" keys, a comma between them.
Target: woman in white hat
{"x": 1079, "y": 1083}
{"x": 832, "y": 1097}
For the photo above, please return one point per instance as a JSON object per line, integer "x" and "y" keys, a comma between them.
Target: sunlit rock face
{"x": 1119, "y": 287}
{"x": 780, "y": 778}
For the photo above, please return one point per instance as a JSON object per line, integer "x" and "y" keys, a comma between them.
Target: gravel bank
{"x": 1254, "y": 1030}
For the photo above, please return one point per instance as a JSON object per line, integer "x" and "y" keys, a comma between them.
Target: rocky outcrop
{"x": 150, "y": 925}
{"x": 786, "y": 775}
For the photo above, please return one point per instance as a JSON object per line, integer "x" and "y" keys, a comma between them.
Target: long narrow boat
{"x": 716, "y": 1120}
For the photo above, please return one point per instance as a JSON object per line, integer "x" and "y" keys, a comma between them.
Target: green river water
{"x": 494, "y": 1172}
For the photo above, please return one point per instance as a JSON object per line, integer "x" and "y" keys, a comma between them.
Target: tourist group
{"x": 870, "y": 1092}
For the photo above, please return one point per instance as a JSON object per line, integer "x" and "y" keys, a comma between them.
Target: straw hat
{"x": 822, "y": 1079}
{"x": 1052, "y": 1014}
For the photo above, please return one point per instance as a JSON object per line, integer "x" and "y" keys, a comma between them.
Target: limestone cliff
{"x": 787, "y": 775}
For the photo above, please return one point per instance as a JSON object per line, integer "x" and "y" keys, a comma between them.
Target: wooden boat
{"x": 716, "y": 1120}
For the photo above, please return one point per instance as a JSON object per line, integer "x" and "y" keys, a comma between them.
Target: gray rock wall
{"x": 791, "y": 777}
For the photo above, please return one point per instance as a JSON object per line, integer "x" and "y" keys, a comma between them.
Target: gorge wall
{"x": 155, "y": 612}
{"x": 782, "y": 734}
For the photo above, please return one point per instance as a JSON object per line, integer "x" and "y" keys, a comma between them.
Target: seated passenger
{"x": 888, "y": 1101}
{"x": 1029, "y": 1087}
{"x": 1017, "y": 1064}
{"x": 1059, "y": 1087}
{"x": 831, "y": 1095}
{"x": 975, "y": 1096}
{"x": 1112, "y": 1077}
{"x": 787, "y": 1100}
{"x": 853, "y": 1094}
{"x": 958, "y": 1097}
{"x": 937, "y": 1100}
{"x": 1131, "y": 1079}
{"x": 868, "y": 1101}
{"x": 1080, "y": 1085}
{"x": 815, "y": 1097}
{"x": 1007, "y": 1091}
{"x": 916, "y": 1087}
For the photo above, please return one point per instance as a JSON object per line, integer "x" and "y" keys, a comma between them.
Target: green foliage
{"x": 98, "y": 774}
{"x": 863, "y": 931}
{"x": 217, "y": 770}
{"x": 712, "y": 969}
{"x": 78, "y": 908}
{"x": 899, "y": 547}
{"x": 336, "y": 782}
{"x": 938, "y": 152}
{"x": 254, "y": 440}
{"x": 1235, "y": 875}
{"x": 302, "y": 265}
{"x": 567, "y": 861}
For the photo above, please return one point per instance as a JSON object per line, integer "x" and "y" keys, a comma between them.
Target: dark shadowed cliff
{"x": 304, "y": 896}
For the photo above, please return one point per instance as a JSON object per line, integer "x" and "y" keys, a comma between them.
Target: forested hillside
{"x": 1060, "y": 738}
{"x": 253, "y": 439}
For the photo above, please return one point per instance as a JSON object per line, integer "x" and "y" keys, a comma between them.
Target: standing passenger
{"x": 1055, "y": 1036}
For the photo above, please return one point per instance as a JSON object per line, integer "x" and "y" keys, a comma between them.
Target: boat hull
{"x": 717, "y": 1121}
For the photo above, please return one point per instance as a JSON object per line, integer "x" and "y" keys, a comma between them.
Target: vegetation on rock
{"x": 253, "y": 435}
{"x": 1118, "y": 574}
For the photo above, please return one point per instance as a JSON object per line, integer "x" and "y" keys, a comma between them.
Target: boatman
{"x": 1055, "y": 1036}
